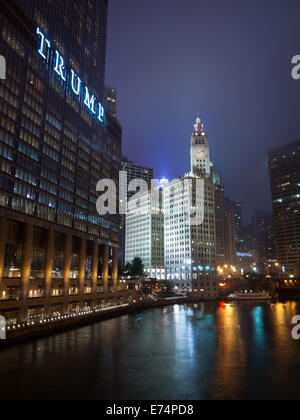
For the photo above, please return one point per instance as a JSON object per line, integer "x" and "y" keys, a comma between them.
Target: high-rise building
{"x": 246, "y": 254}
{"x": 236, "y": 206}
{"x": 285, "y": 185}
{"x": 220, "y": 221}
{"x": 190, "y": 244}
{"x": 263, "y": 236}
{"x": 57, "y": 254}
{"x": 200, "y": 152}
{"x": 145, "y": 233}
{"x": 230, "y": 236}
{"x": 225, "y": 226}
{"x": 110, "y": 95}
{"x": 246, "y": 243}
{"x": 133, "y": 172}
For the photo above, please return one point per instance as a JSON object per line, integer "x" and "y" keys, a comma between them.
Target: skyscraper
{"x": 136, "y": 171}
{"x": 200, "y": 153}
{"x": 230, "y": 236}
{"x": 190, "y": 244}
{"x": 285, "y": 185}
{"x": 263, "y": 236}
{"x": 225, "y": 226}
{"x": 133, "y": 172}
{"x": 220, "y": 220}
{"x": 145, "y": 233}
{"x": 56, "y": 143}
{"x": 110, "y": 95}
{"x": 237, "y": 213}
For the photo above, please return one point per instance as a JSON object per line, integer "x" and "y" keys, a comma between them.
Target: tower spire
{"x": 198, "y": 127}
{"x": 200, "y": 157}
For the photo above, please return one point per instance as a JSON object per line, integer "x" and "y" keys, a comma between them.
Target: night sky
{"x": 229, "y": 59}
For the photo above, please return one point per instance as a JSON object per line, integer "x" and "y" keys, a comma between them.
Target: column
{"x": 48, "y": 270}
{"x": 81, "y": 274}
{"x": 25, "y": 270}
{"x": 95, "y": 263}
{"x": 105, "y": 263}
{"x": 67, "y": 269}
{"x": 115, "y": 269}
{"x": 3, "y": 239}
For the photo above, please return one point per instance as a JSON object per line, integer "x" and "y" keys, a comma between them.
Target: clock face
{"x": 201, "y": 153}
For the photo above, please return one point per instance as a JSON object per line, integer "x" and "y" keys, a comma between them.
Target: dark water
{"x": 206, "y": 351}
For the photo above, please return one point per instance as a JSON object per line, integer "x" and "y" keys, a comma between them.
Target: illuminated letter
{"x": 101, "y": 113}
{"x": 76, "y": 90}
{"x": 89, "y": 102}
{"x": 60, "y": 66}
{"x": 296, "y": 69}
{"x": 43, "y": 45}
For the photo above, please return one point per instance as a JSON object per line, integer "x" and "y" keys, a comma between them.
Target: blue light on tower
{"x": 163, "y": 182}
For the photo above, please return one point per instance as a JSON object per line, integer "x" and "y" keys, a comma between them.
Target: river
{"x": 202, "y": 351}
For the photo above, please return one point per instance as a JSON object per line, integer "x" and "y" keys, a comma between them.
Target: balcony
{"x": 57, "y": 292}
{"x": 10, "y": 294}
{"x": 36, "y": 293}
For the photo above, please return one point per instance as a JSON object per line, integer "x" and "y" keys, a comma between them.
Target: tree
{"x": 169, "y": 286}
{"x": 137, "y": 268}
{"x": 127, "y": 270}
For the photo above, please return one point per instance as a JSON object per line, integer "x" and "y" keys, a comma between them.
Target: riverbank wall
{"x": 63, "y": 325}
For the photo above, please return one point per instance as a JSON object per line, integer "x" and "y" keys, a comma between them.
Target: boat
{"x": 250, "y": 296}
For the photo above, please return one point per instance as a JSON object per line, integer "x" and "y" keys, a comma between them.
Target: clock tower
{"x": 200, "y": 156}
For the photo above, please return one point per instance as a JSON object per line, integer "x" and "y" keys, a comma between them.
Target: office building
{"x": 236, "y": 206}
{"x": 190, "y": 229}
{"x": 263, "y": 236}
{"x": 225, "y": 226}
{"x": 230, "y": 236}
{"x": 110, "y": 96}
{"x": 57, "y": 254}
{"x": 284, "y": 165}
{"x": 220, "y": 220}
{"x": 133, "y": 172}
{"x": 145, "y": 233}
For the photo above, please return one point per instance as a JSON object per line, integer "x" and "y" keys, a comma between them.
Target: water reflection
{"x": 207, "y": 350}
{"x": 231, "y": 358}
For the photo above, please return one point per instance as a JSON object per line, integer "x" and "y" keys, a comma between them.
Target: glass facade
{"x": 145, "y": 233}
{"x": 285, "y": 184}
{"x": 53, "y": 152}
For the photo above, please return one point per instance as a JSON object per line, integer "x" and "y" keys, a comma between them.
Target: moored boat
{"x": 250, "y": 296}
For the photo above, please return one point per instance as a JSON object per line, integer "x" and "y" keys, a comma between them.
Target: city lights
{"x": 149, "y": 203}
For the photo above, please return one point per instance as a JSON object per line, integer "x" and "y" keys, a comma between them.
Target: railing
{"x": 12, "y": 325}
{"x": 38, "y": 320}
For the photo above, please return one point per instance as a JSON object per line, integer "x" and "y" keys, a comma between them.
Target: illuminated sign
{"x": 85, "y": 97}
